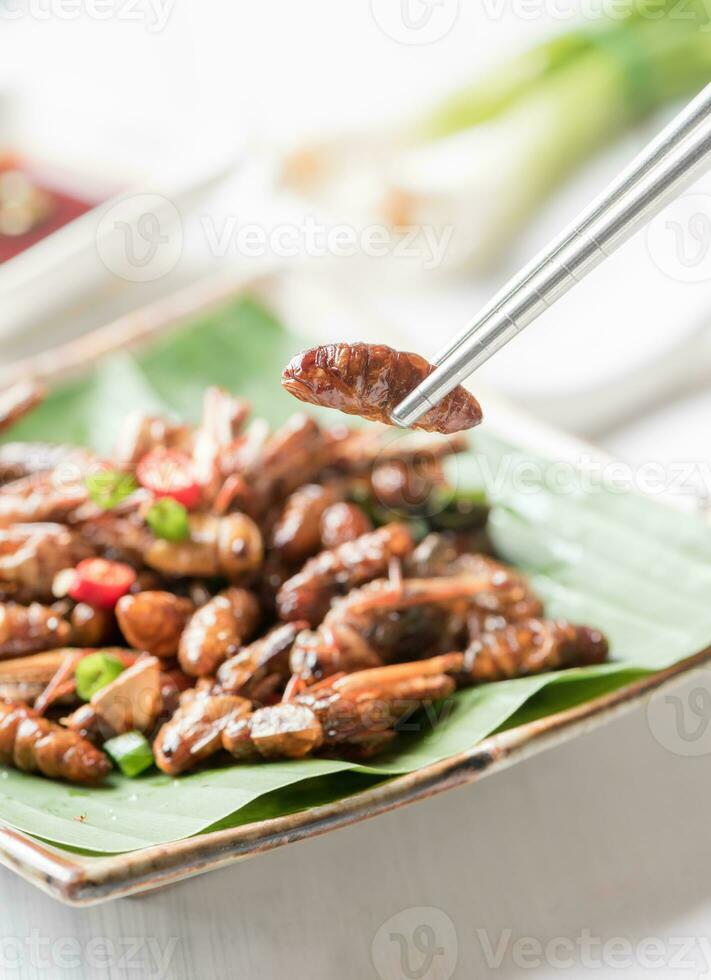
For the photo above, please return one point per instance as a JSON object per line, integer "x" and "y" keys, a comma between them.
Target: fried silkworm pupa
{"x": 261, "y": 668}
{"x": 343, "y": 522}
{"x": 290, "y": 457}
{"x": 370, "y": 380}
{"x": 194, "y": 732}
{"x": 217, "y": 630}
{"x": 229, "y": 546}
{"x": 32, "y": 554}
{"x": 32, "y": 743}
{"x": 28, "y": 629}
{"x": 154, "y": 621}
{"x": 297, "y": 532}
{"x": 354, "y": 712}
{"x": 91, "y": 626}
{"x": 308, "y": 594}
{"x": 141, "y": 433}
{"x": 532, "y": 647}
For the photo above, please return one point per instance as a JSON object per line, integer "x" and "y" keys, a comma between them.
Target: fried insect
{"x": 223, "y": 416}
{"x": 18, "y": 400}
{"x": 21, "y": 459}
{"x": 230, "y": 546}
{"x": 32, "y": 554}
{"x": 141, "y": 433}
{"x": 358, "y": 451}
{"x": 370, "y": 380}
{"x": 42, "y": 497}
{"x": 385, "y": 622}
{"x": 297, "y": 533}
{"x": 532, "y": 647}
{"x": 356, "y": 713}
{"x": 449, "y": 555}
{"x": 308, "y": 594}
{"x": 290, "y": 457}
{"x": 121, "y": 537}
{"x": 154, "y": 621}
{"x": 194, "y": 733}
{"x": 343, "y": 522}
{"x": 26, "y": 678}
{"x": 34, "y": 744}
{"x": 261, "y": 669}
{"x": 90, "y": 625}
{"x": 402, "y": 486}
{"x": 27, "y": 629}
{"x": 331, "y": 650}
{"x": 217, "y": 630}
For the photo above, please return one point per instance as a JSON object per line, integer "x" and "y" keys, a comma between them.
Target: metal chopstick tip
{"x": 410, "y": 409}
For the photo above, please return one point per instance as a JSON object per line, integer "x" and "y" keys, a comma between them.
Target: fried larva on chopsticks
{"x": 370, "y": 380}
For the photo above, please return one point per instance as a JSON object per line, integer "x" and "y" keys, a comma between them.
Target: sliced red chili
{"x": 100, "y": 582}
{"x": 169, "y": 473}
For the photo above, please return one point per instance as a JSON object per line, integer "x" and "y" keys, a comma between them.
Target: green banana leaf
{"x": 615, "y": 560}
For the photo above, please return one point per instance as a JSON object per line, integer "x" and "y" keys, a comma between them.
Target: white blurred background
{"x": 169, "y": 95}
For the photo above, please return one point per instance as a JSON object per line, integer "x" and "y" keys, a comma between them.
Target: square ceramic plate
{"x": 78, "y": 879}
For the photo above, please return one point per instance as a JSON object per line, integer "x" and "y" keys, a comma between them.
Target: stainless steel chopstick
{"x": 671, "y": 162}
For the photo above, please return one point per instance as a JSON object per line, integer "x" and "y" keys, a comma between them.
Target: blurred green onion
{"x": 472, "y": 170}
{"x": 168, "y": 519}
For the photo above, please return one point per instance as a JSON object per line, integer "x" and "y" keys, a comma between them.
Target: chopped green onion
{"x": 107, "y": 488}
{"x": 131, "y": 753}
{"x": 96, "y": 671}
{"x": 168, "y": 519}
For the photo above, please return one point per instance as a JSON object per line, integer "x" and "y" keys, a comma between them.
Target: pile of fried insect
{"x": 225, "y": 590}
